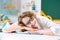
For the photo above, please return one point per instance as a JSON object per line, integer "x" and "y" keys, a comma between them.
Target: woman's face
{"x": 30, "y": 22}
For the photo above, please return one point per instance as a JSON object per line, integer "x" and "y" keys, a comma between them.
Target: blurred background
{"x": 13, "y": 8}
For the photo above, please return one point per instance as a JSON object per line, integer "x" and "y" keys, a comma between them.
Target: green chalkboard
{"x": 51, "y": 7}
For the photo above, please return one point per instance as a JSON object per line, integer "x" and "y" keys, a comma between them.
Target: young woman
{"x": 34, "y": 24}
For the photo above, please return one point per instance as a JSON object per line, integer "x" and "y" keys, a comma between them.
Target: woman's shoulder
{"x": 42, "y": 18}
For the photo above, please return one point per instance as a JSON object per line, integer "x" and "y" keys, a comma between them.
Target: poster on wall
{"x": 10, "y": 8}
{"x": 7, "y": 7}
{"x": 31, "y": 5}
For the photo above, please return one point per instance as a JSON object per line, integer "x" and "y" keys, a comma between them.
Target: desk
{"x": 14, "y": 36}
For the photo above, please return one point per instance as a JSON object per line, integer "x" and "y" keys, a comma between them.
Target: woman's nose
{"x": 33, "y": 23}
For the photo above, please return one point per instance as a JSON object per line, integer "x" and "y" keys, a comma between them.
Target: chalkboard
{"x": 51, "y": 7}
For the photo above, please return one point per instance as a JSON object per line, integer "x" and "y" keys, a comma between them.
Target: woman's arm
{"x": 11, "y": 28}
{"x": 45, "y": 32}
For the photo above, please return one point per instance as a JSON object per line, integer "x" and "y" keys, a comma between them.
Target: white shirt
{"x": 46, "y": 23}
